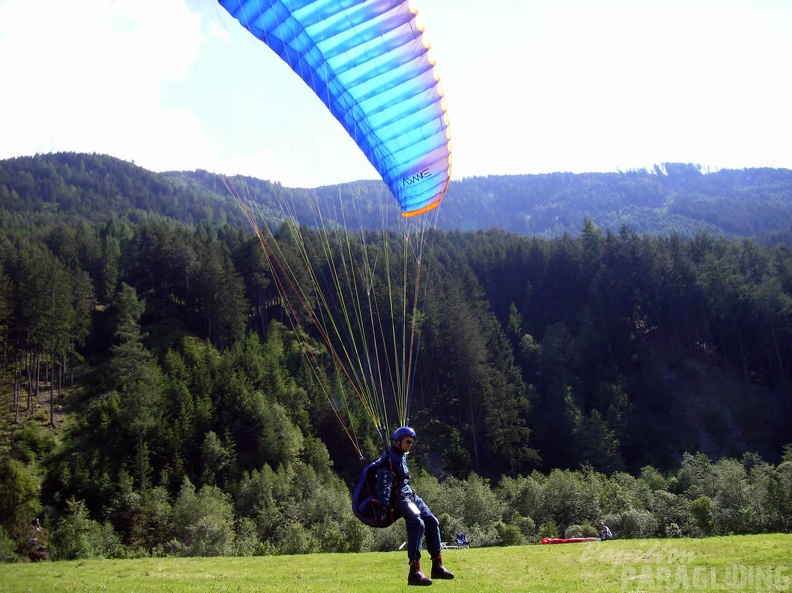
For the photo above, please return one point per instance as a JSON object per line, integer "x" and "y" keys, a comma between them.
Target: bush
{"x": 733, "y": 511}
{"x": 472, "y": 501}
{"x": 297, "y": 540}
{"x": 730, "y": 521}
{"x": 450, "y": 526}
{"x": 589, "y": 530}
{"x": 526, "y": 525}
{"x": 7, "y": 547}
{"x": 567, "y": 499}
{"x": 275, "y": 499}
{"x": 388, "y": 539}
{"x": 548, "y": 529}
{"x": 632, "y": 524}
{"x": 696, "y": 476}
{"x": 203, "y": 522}
{"x": 33, "y": 443}
{"x": 521, "y": 495}
{"x": 573, "y": 531}
{"x": 78, "y": 536}
{"x": 670, "y": 509}
{"x": 483, "y": 536}
{"x": 701, "y": 510}
{"x": 673, "y": 530}
{"x": 471, "y": 507}
{"x": 19, "y": 498}
{"x": 348, "y": 536}
{"x": 653, "y": 479}
{"x": 622, "y": 492}
{"x": 144, "y": 517}
{"x": 246, "y": 542}
{"x": 509, "y": 534}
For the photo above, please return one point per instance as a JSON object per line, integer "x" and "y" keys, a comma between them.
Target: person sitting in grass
{"x": 604, "y": 532}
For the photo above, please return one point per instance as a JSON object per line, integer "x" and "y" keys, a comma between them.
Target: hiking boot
{"x": 438, "y": 570}
{"x": 416, "y": 577}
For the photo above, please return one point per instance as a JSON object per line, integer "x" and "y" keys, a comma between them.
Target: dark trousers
{"x": 420, "y": 521}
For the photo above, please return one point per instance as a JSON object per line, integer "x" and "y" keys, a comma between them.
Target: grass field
{"x": 741, "y": 563}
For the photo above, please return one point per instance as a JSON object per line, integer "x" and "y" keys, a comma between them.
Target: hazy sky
{"x": 532, "y": 86}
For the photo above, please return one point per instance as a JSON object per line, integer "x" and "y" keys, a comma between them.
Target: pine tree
{"x": 136, "y": 375}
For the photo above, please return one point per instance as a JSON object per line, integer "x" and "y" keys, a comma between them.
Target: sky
{"x": 532, "y": 86}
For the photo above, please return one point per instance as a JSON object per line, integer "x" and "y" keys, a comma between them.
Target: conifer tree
{"x": 136, "y": 375}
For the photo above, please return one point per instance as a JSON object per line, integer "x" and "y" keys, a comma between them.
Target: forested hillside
{"x": 150, "y": 375}
{"x": 672, "y": 199}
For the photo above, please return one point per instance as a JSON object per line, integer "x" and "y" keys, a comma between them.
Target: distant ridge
{"x": 673, "y": 198}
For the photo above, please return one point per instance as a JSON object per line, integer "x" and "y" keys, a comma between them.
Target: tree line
{"x": 672, "y": 198}
{"x": 292, "y": 510}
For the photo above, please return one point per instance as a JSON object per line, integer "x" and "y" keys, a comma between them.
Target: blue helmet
{"x": 404, "y": 431}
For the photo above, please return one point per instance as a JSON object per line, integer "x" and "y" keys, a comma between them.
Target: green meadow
{"x": 737, "y": 563}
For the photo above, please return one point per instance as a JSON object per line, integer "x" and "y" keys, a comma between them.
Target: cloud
{"x": 88, "y": 75}
{"x": 596, "y": 86}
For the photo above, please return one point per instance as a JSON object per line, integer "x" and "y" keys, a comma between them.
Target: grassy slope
{"x": 745, "y": 563}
